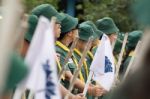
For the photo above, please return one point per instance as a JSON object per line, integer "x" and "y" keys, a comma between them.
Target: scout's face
{"x": 72, "y": 34}
{"x": 81, "y": 45}
{"x": 57, "y": 30}
{"x": 112, "y": 37}
{"x": 95, "y": 42}
{"x": 24, "y": 48}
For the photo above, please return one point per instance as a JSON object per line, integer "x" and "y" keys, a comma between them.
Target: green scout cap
{"x": 133, "y": 38}
{"x": 97, "y": 33}
{"x": 68, "y": 23}
{"x": 32, "y": 23}
{"x": 17, "y": 72}
{"x": 107, "y": 25}
{"x": 85, "y": 32}
{"x": 141, "y": 9}
{"x": 119, "y": 41}
{"x": 47, "y": 11}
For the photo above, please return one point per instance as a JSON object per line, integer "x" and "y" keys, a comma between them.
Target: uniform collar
{"x": 58, "y": 43}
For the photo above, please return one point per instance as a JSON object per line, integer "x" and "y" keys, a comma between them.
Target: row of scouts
{"x": 66, "y": 29}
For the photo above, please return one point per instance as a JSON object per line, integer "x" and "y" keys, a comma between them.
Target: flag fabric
{"x": 103, "y": 64}
{"x": 42, "y": 80}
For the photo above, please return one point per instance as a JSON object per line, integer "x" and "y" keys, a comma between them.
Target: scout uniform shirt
{"x": 127, "y": 61}
{"x": 85, "y": 70}
{"x": 72, "y": 63}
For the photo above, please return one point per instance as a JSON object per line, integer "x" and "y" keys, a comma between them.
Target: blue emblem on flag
{"x": 50, "y": 86}
{"x": 108, "y": 65}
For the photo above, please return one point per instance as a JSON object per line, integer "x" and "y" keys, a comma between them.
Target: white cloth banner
{"x": 42, "y": 79}
{"x": 103, "y": 64}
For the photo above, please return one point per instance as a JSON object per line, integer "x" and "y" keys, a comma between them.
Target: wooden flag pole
{"x": 120, "y": 57}
{"x": 76, "y": 73}
{"x": 88, "y": 82}
{"x": 67, "y": 58}
{"x": 132, "y": 60}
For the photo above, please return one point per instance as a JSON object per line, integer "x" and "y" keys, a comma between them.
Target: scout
{"x": 96, "y": 36}
{"x": 133, "y": 39}
{"x": 108, "y": 26}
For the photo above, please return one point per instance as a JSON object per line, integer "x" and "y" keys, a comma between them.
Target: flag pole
{"x": 87, "y": 83}
{"x": 76, "y": 73}
{"x": 67, "y": 58}
{"x": 132, "y": 60}
{"x": 113, "y": 45}
{"x": 120, "y": 57}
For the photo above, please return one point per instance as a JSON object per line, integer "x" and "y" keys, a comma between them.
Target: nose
{"x": 115, "y": 36}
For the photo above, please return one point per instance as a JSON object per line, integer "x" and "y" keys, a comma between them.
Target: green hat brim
{"x": 59, "y": 18}
{"x": 84, "y": 39}
{"x": 107, "y": 25}
{"x": 71, "y": 26}
{"x": 32, "y": 23}
{"x": 111, "y": 31}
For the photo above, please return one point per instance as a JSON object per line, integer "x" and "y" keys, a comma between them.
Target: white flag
{"x": 103, "y": 64}
{"x": 43, "y": 79}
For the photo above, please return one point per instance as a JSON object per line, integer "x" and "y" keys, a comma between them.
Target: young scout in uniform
{"x": 133, "y": 39}
{"x": 69, "y": 32}
{"x": 97, "y": 34}
{"x": 85, "y": 32}
{"x": 108, "y": 26}
{"x": 118, "y": 45}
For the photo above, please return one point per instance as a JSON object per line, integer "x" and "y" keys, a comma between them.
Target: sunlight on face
{"x": 112, "y": 37}
{"x": 57, "y": 30}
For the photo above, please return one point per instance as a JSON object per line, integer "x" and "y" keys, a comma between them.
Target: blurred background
{"x": 119, "y": 10}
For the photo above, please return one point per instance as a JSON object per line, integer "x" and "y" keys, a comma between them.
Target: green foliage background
{"x": 119, "y": 10}
{"x": 30, "y": 4}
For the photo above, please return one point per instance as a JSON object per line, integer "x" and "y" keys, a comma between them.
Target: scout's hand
{"x": 98, "y": 91}
{"x": 95, "y": 91}
{"x": 58, "y": 56}
{"x": 104, "y": 91}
